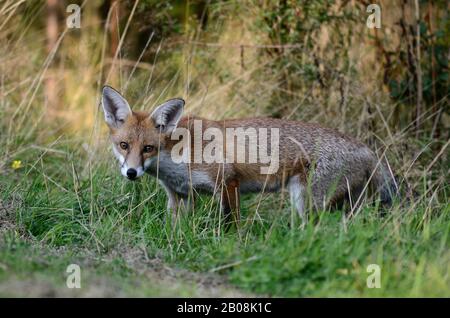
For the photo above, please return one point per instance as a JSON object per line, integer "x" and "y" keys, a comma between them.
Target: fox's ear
{"x": 167, "y": 115}
{"x": 115, "y": 107}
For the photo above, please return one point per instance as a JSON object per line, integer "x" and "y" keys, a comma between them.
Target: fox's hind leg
{"x": 231, "y": 203}
{"x": 296, "y": 188}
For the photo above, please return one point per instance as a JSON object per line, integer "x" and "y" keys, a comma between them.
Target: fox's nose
{"x": 131, "y": 173}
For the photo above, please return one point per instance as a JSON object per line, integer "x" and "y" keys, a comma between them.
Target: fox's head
{"x": 138, "y": 136}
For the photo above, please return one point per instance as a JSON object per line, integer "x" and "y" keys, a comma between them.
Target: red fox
{"x": 189, "y": 155}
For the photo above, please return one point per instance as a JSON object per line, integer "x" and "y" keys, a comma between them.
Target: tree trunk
{"x": 114, "y": 37}
{"x": 418, "y": 70}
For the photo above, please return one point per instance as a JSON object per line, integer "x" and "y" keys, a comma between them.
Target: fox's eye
{"x": 148, "y": 149}
{"x": 123, "y": 145}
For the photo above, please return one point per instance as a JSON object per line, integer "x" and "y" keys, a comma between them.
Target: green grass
{"x": 61, "y": 202}
{"x": 38, "y": 271}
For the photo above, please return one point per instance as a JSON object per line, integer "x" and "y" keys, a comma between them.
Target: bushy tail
{"x": 386, "y": 185}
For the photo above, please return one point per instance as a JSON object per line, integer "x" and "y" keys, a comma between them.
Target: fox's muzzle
{"x": 131, "y": 174}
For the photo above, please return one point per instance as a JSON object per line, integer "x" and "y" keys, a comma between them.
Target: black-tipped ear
{"x": 115, "y": 107}
{"x": 167, "y": 115}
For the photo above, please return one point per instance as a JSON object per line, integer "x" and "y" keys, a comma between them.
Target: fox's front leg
{"x": 186, "y": 203}
{"x": 176, "y": 203}
{"x": 231, "y": 202}
{"x": 172, "y": 204}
